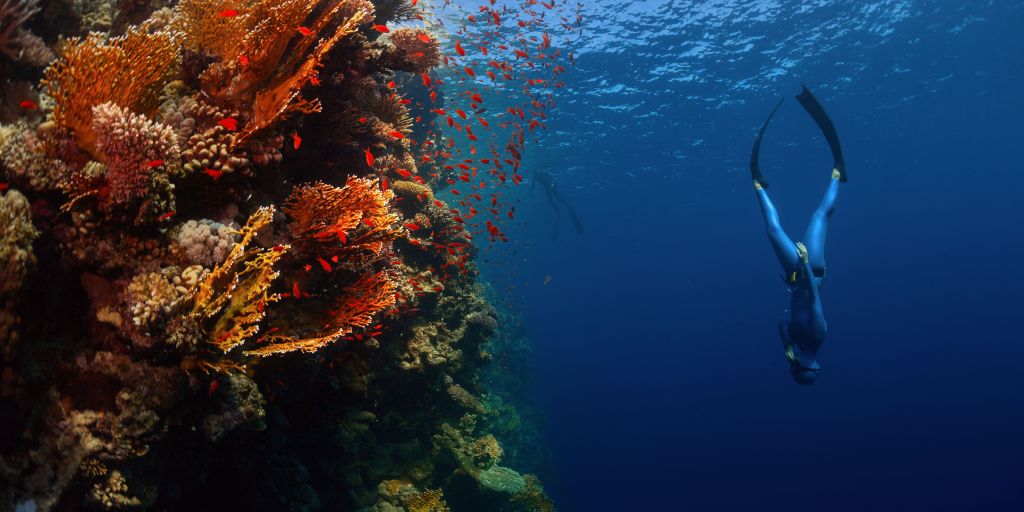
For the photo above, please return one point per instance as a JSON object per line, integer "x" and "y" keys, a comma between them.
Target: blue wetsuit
{"x": 803, "y": 327}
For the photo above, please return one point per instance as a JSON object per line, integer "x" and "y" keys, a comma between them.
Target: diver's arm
{"x": 785, "y": 249}
{"x": 807, "y": 276}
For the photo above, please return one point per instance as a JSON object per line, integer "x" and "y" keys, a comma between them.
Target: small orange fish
{"x": 412, "y": 226}
{"x": 296, "y": 140}
{"x": 403, "y": 173}
{"x": 323, "y": 263}
{"x": 28, "y": 105}
{"x": 243, "y": 60}
{"x": 424, "y": 37}
{"x": 426, "y": 79}
{"x": 392, "y": 84}
{"x": 477, "y": 98}
{"x": 229, "y": 123}
{"x": 396, "y": 134}
{"x": 295, "y": 290}
{"x": 314, "y": 80}
{"x": 381, "y": 28}
{"x": 165, "y": 216}
{"x": 154, "y": 163}
{"x": 383, "y": 184}
{"x": 214, "y": 384}
{"x": 459, "y": 49}
{"x": 4, "y": 186}
{"x": 213, "y": 173}
{"x": 469, "y": 71}
{"x": 228, "y": 13}
{"x": 304, "y": 31}
{"x": 369, "y": 157}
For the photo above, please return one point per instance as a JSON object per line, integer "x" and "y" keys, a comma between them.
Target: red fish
{"x": 229, "y": 123}
{"x": 459, "y": 49}
{"x": 403, "y": 173}
{"x": 154, "y": 163}
{"x": 412, "y": 226}
{"x": 295, "y": 290}
{"x": 214, "y": 384}
{"x": 244, "y": 60}
{"x": 296, "y": 140}
{"x": 469, "y": 71}
{"x": 213, "y": 173}
{"x": 369, "y": 157}
{"x": 305, "y": 31}
{"x": 477, "y": 98}
{"x": 228, "y": 13}
{"x": 381, "y": 28}
{"x": 396, "y": 134}
{"x": 323, "y": 263}
{"x": 28, "y": 105}
{"x": 426, "y": 80}
{"x": 423, "y": 37}
{"x": 383, "y": 184}
{"x": 166, "y": 216}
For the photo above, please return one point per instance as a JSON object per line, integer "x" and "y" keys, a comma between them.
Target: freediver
{"x": 548, "y": 182}
{"x": 803, "y": 325}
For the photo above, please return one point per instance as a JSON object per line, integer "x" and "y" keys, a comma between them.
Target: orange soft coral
{"x": 128, "y": 71}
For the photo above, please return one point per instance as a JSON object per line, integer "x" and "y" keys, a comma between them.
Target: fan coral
{"x": 278, "y": 59}
{"x": 14, "y": 13}
{"x": 324, "y": 214}
{"x": 129, "y": 143}
{"x": 206, "y": 242}
{"x": 237, "y": 290}
{"x": 16, "y": 236}
{"x": 420, "y": 56}
{"x": 128, "y": 71}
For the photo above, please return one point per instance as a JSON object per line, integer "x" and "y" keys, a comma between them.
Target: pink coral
{"x": 130, "y": 143}
{"x": 14, "y": 13}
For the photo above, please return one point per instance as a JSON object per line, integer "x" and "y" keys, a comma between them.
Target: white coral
{"x": 206, "y": 242}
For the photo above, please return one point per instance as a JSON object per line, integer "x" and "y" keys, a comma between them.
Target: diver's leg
{"x": 572, "y": 213}
{"x": 784, "y": 248}
{"x": 815, "y": 236}
{"x": 558, "y": 212}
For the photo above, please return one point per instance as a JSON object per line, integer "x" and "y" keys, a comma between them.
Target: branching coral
{"x": 130, "y": 144}
{"x": 23, "y": 157}
{"x": 419, "y": 55}
{"x": 264, "y": 60}
{"x": 237, "y": 291}
{"x": 355, "y": 215}
{"x": 128, "y": 71}
{"x": 13, "y": 14}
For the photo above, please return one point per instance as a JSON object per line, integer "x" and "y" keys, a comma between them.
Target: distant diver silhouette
{"x": 548, "y": 182}
{"x": 803, "y": 326}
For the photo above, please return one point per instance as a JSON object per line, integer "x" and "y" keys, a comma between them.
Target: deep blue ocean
{"x": 657, "y": 361}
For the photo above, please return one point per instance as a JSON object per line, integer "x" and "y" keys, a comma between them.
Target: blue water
{"x": 658, "y": 363}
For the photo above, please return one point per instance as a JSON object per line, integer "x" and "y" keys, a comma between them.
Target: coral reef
{"x": 224, "y": 283}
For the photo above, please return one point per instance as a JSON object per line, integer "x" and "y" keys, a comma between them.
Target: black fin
{"x": 575, "y": 220}
{"x": 755, "y": 169}
{"x": 817, "y": 112}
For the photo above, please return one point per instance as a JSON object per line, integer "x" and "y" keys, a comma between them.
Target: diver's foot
{"x": 836, "y": 175}
{"x": 801, "y": 251}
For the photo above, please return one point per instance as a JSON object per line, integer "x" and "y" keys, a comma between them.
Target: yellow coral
{"x": 129, "y": 71}
{"x": 237, "y": 290}
{"x": 430, "y": 500}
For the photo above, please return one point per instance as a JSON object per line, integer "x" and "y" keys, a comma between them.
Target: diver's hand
{"x": 836, "y": 175}
{"x": 801, "y": 251}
